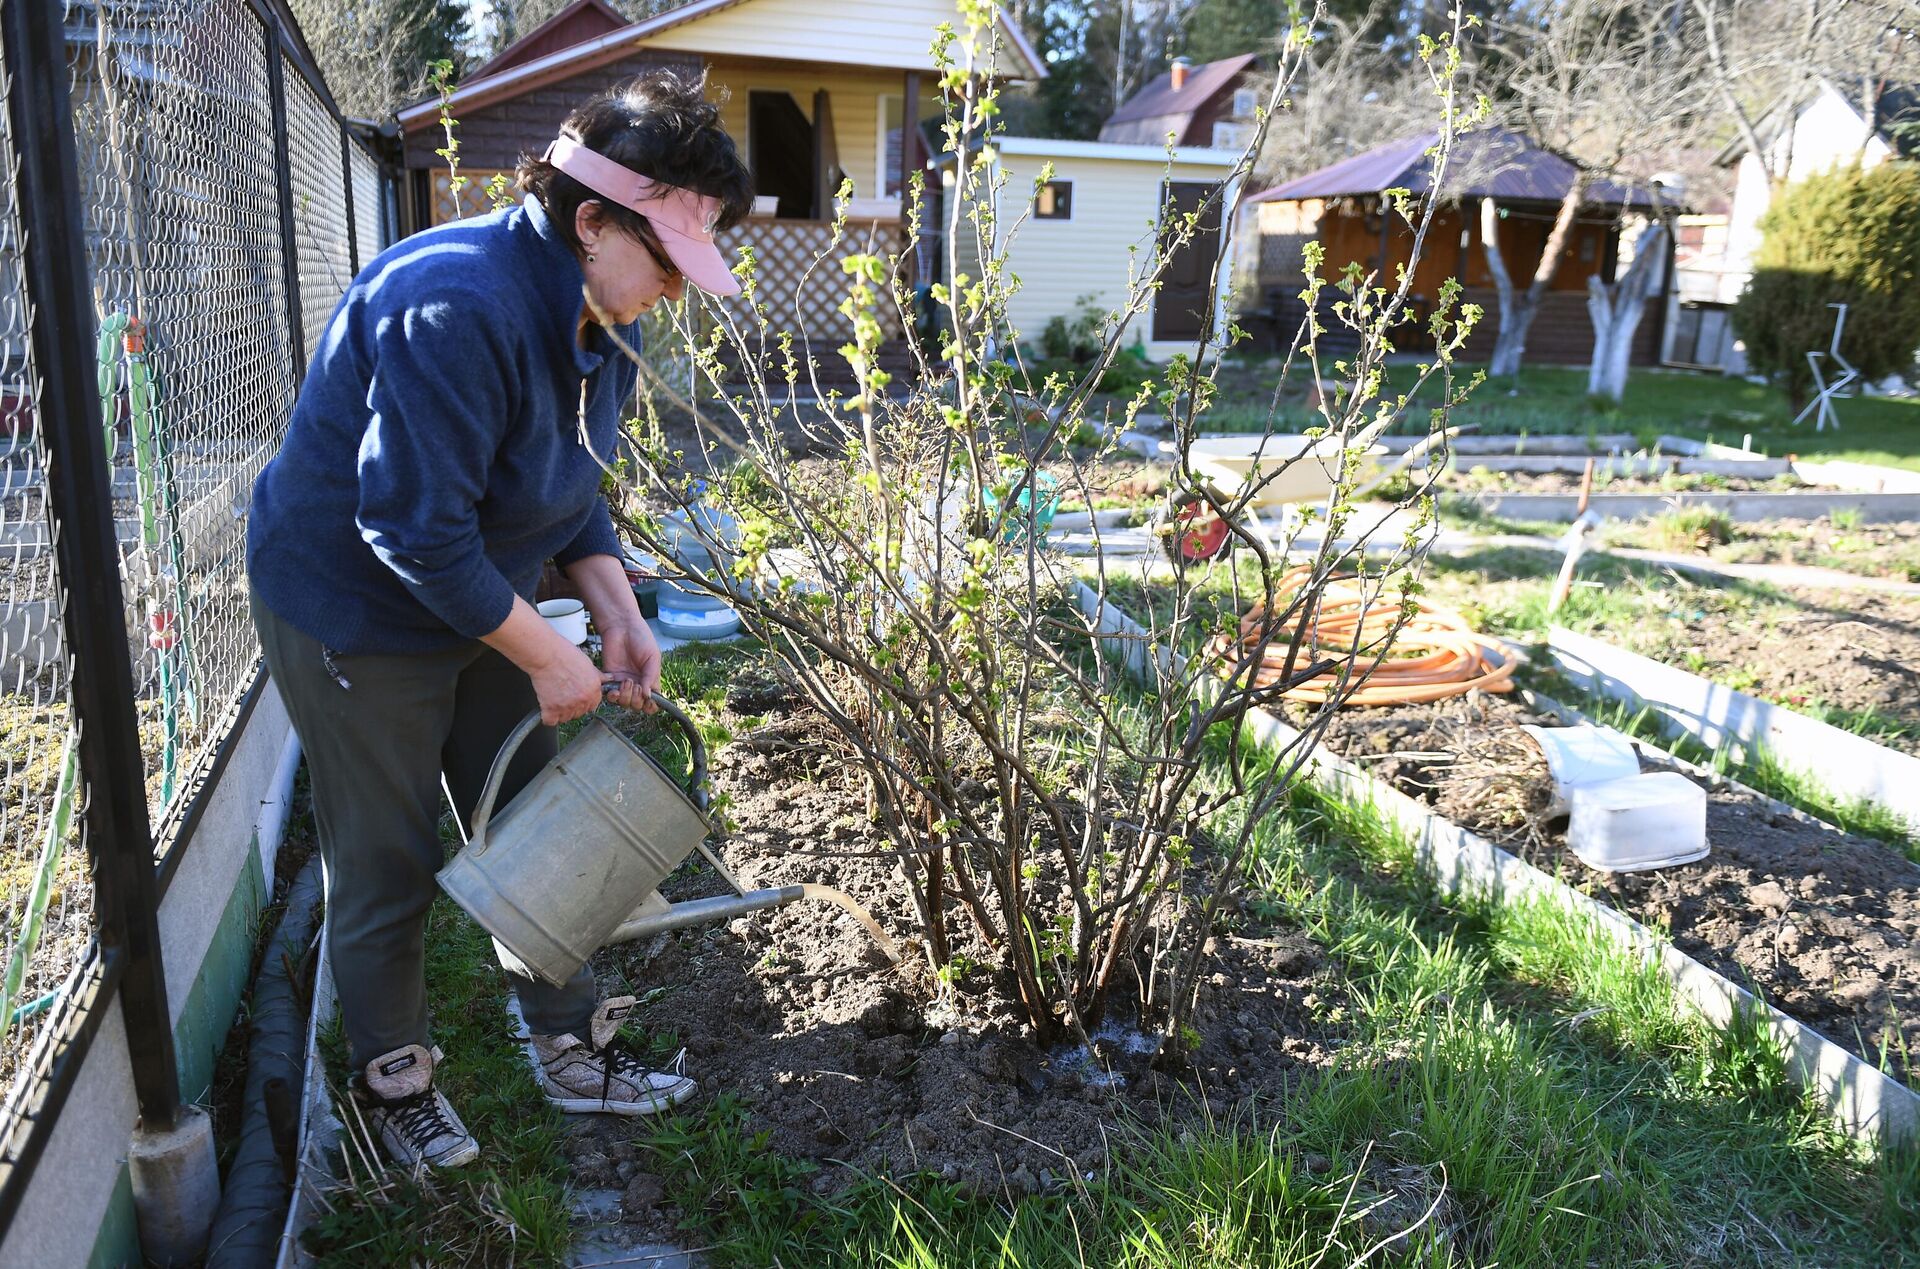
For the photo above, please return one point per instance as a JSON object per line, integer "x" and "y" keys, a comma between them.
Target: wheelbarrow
{"x": 575, "y": 861}
{"x": 1292, "y": 469}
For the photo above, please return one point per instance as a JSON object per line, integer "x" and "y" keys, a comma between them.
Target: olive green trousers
{"x": 380, "y": 734}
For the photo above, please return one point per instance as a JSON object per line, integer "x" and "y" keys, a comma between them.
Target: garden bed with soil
{"x": 1824, "y": 925}
{"x": 857, "y": 1066}
{"x": 1890, "y": 549}
{"x": 1851, "y": 658}
{"x": 1467, "y": 477}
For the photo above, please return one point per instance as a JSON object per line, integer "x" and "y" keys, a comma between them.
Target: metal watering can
{"x": 574, "y": 862}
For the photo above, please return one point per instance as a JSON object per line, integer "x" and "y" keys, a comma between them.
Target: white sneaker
{"x": 413, "y": 1118}
{"x": 602, "y": 1075}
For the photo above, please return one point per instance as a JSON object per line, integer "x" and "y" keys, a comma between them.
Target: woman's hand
{"x": 565, "y": 679}
{"x": 628, "y": 651}
{"x": 631, "y": 653}
{"x": 567, "y": 686}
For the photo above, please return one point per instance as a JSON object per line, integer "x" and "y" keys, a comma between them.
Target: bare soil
{"x": 1890, "y": 549}
{"x": 1853, "y": 651}
{"x": 854, "y": 1064}
{"x": 1827, "y": 653}
{"x": 1824, "y": 925}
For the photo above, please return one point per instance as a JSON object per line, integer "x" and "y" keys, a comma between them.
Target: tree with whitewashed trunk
{"x": 887, "y": 546}
{"x": 1616, "y": 88}
{"x": 1616, "y": 309}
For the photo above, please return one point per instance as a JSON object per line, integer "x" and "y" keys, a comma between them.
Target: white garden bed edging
{"x": 1684, "y": 704}
{"x": 1872, "y": 508}
{"x": 1858, "y": 477}
{"x": 320, "y": 1127}
{"x": 1861, "y": 1100}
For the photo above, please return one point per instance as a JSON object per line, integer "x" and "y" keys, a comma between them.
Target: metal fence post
{"x": 80, "y": 499}
{"x": 283, "y": 181}
{"x": 346, "y": 179}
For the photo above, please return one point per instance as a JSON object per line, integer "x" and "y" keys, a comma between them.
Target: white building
{"x": 1831, "y": 129}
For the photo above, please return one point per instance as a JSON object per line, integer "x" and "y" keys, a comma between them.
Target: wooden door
{"x": 1183, "y": 310}
{"x": 780, "y": 152}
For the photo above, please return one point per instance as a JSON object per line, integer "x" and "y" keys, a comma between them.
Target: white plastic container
{"x": 1654, "y": 820}
{"x": 678, "y": 623}
{"x": 1583, "y": 755}
{"x": 568, "y": 617}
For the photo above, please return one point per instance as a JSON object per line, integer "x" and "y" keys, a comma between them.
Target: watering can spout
{"x": 725, "y": 907}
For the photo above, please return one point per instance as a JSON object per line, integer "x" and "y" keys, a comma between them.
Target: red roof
{"x": 580, "y": 21}
{"x": 1493, "y": 163}
{"x": 1159, "y": 108}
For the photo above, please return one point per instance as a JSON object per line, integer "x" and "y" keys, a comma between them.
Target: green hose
{"x": 158, "y": 504}
{"x": 154, "y": 466}
{"x": 52, "y": 847}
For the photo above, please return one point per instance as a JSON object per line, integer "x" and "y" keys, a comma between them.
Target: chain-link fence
{"x": 42, "y": 850}
{"x": 224, "y": 207}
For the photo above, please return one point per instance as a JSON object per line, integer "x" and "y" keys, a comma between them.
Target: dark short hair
{"x": 662, "y": 126}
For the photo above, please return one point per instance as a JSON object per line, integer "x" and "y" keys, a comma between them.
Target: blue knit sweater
{"x": 434, "y": 460}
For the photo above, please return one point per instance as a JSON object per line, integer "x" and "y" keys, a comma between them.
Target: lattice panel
{"x": 800, "y": 277}
{"x": 474, "y": 198}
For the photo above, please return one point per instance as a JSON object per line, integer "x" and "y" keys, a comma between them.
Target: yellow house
{"x": 816, "y": 91}
{"x": 821, "y": 91}
{"x": 1094, "y": 228}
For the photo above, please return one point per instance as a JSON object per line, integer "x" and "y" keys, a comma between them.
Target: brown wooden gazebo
{"x": 1344, "y": 207}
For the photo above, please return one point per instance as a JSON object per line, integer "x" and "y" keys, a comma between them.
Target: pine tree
{"x": 1228, "y": 28}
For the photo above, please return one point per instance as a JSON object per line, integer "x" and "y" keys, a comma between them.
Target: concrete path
{"x": 604, "y": 1242}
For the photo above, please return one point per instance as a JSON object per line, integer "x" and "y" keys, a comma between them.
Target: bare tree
{"x": 1353, "y": 95}
{"x": 1613, "y": 86}
{"x": 1764, "y": 60}
{"x": 375, "y": 53}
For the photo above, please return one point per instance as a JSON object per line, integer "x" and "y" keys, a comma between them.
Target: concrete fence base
{"x": 78, "y": 1208}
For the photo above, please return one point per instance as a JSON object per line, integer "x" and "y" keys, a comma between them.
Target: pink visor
{"x": 682, "y": 219}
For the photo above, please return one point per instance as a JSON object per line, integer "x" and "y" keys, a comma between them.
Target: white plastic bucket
{"x": 1583, "y": 755}
{"x": 1654, "y": 820}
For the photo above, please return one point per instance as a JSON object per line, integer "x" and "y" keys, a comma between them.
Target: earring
{"x": 591, "y": 257}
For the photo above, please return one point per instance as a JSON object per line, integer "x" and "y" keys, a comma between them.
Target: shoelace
{"x": 419, "y": 1117}
{"x": 619, "y": 1059}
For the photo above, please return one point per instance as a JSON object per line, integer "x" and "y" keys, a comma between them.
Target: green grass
{"x": 1509, "y": 1096}
{"x": 1543, "y": 400}
{"x": 511, "y": 1206}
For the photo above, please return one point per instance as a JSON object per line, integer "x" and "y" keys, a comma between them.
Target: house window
{"x": 1231, "y": 136}
{"x": 1245, "y": 102}
{"x": 1054, "y": 201}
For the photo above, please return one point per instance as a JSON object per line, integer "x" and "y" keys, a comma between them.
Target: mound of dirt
{"x": 853, "y": 1063}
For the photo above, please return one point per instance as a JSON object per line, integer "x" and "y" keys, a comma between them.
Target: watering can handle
{"x": 696, "y": 779}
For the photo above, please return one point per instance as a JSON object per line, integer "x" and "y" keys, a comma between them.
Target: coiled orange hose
{"x": 1436, "y": 655}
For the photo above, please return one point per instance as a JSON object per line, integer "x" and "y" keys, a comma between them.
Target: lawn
{"x": 1553, "y": 399}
